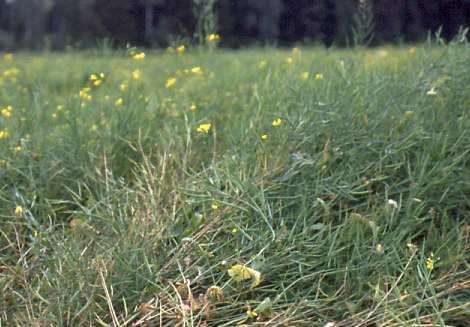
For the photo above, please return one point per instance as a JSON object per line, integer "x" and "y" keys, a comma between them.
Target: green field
{"x": 303, "y": 187}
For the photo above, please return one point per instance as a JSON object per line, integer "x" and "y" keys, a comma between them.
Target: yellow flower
{"x": 412, "y": 51}
{"x": 17, "y": 148}
{"x": 181, "y": 49}
{"x": 8, "y": 56}
{"x": 196, "y": 70}
{"x": 119, "y": 102}
{"x": 215, "y": 292}
{"x": 262, "y": 64}
{"x": 383, "y": 53}
{"x": 213, "y": 37}
{"x": 4, "y": 134}
{"x": 136, "y": 74}
{"x": 93, "y": 77}
{"x": 430, "y": 261}
{"x": 97, "y": 82}
{"x": 289, "y": 60}
{"x": 84, "y": 91}
{"x": 204, "y": 128}
{"x": 170, "y": 82}
{"x": 277, "y": 122}
{"x": 296, "y": 52}
{"x": 193, "y": 107}
{"x": 55, "y": 115}
{"x": 139, "y": 56}
{"x": 318, "y": 77}
{"x": 379, "y": 249}
{"x": 251, "y": 313}
{"x": 18, "y": 210}
{"x": 408, "y": 114}
{"x": 214, "y": 206}
{"x": 6, "y": 112}
{"x": 124, "y": 87}
{"x": 241, "y": 272}
{"x": 264, "y": 137}
{"x": 304, "y": 76}
{"x": 12, "y": 72}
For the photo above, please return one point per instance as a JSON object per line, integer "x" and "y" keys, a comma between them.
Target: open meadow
{"x": 297, "y": 187}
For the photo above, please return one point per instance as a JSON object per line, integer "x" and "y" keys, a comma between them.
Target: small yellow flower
{"x": 170, "y": 82}
{"x": 277, "y": 122}
{"x": 124, "y": 87}
{"x": 379, "y": 249}
{"x": 181, "y": 49}
{"x": 214, "y": 206}
{"x": 17, "y": 148}
{"x": 55, "y": 115}
{"x": 8, "y": 56}
{"x": 6, "y": 112}
{"x": 97, "y": 82}
{"x": 196, "y": 70}
{"x": 289, "y": 60}
{"x": 430, "y": 261}
{"x": 193, "y": 107}
{"x": 408, "y": 114}
{"x": 304, "y": 76}
{"x": 412, "y": 51}
{"x": 262, "y": 64}
{"x": 84, "y": 93}
{"x": 251, "y": 313}
{"x": 136, "y": 74}
{"x": 241, "y": 272}
{"x": 264, "y": 137}
{"x": 383, "y": 53}
{"x": 139, "y": 56}
{"x": 411, "y": 246}
{"x": 93, "y": 77}
{"x": 119, "y": 102}
{"x": 215, "y": 292}
{"x": 318, "y": 77}
{"x": 213, "y": 38}
{"x": 18, "y": 210}
{"x": 12, "y": 72}
{"x": 4, "y": 134}
{"x": 204, "y": 128}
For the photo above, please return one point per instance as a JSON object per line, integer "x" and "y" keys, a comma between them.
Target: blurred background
{"x": 56, "y": 24}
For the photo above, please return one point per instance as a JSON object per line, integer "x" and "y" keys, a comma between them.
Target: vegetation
{"x": 58, "y": 24}
{"x": 307, "y": 187}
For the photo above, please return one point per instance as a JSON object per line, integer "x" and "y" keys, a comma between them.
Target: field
{"x": 300, "y": 187}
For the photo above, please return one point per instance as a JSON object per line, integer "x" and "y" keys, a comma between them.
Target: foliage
{"x": 259, "y": 187}
{"x": 159, "y": 23}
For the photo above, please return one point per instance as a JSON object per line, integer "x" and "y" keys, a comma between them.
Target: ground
{"x": 202, "y": 187}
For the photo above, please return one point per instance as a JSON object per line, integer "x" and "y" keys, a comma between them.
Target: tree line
{"x": 159, "y": 23}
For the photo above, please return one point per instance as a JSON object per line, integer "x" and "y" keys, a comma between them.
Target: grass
{"x": 354, "y": 209}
